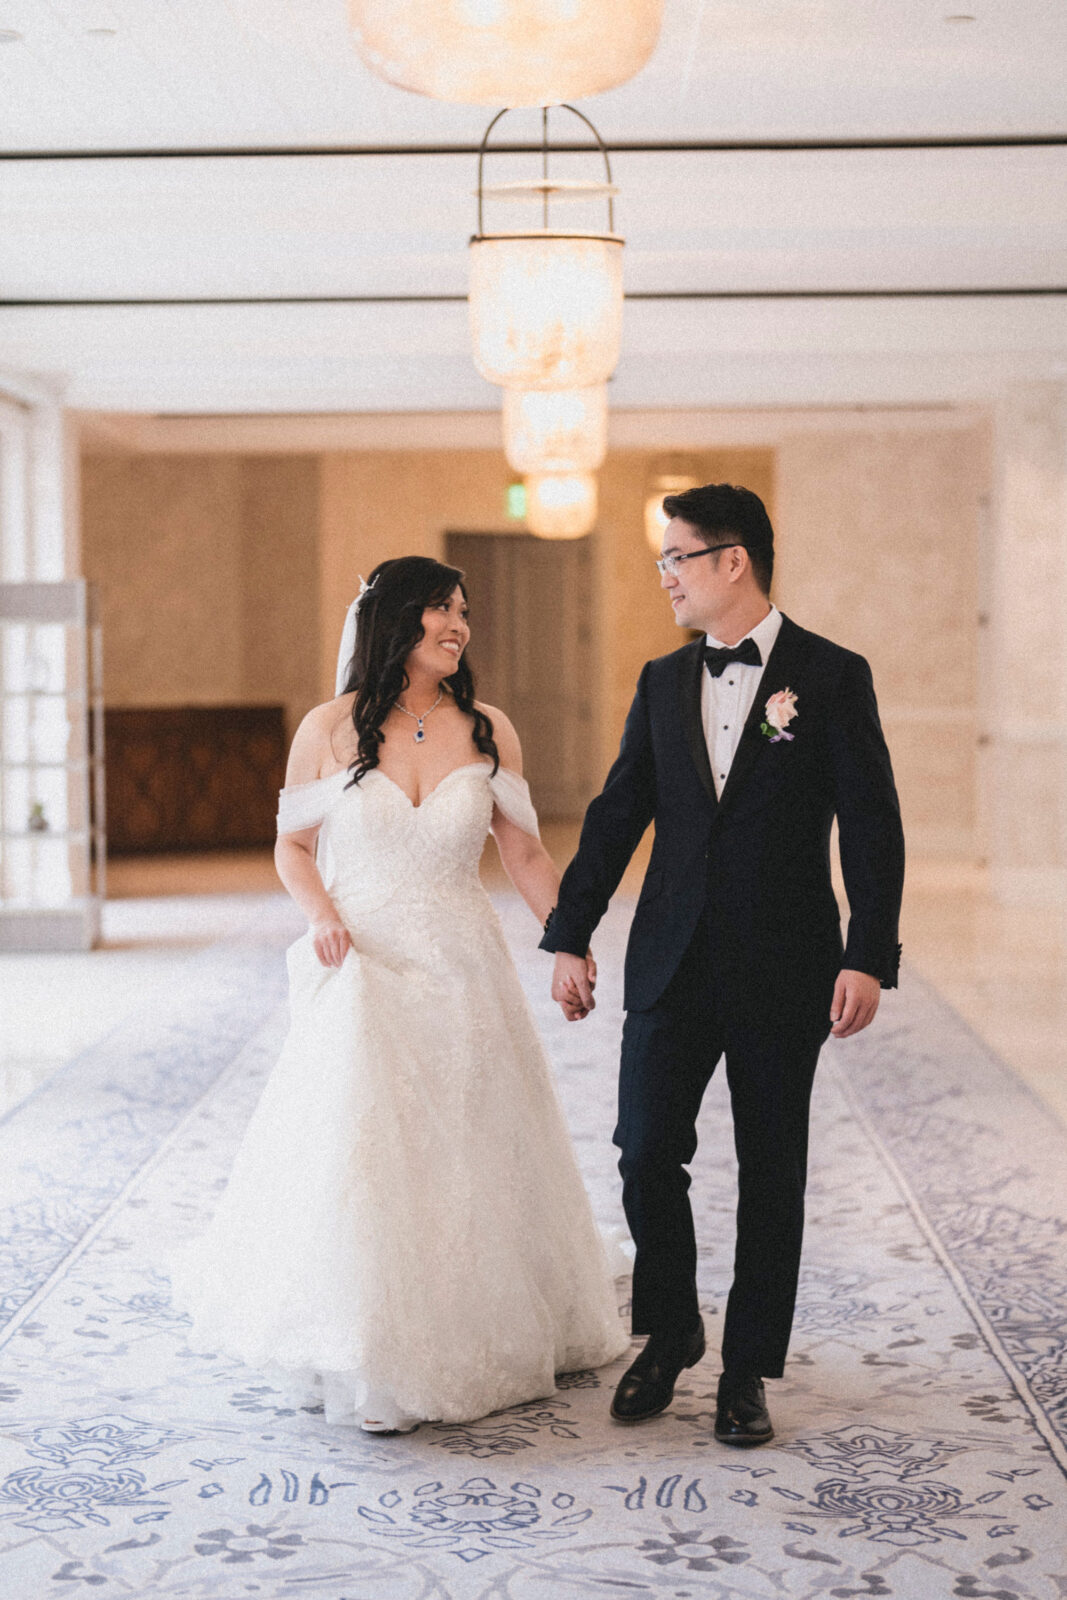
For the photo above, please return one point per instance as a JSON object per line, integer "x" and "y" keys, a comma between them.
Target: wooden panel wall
{"x": 192, "y": 777}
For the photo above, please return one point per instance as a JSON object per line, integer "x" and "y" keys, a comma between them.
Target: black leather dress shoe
{"x": 647, "y": 1387}
{"x": 741, "y": 1415}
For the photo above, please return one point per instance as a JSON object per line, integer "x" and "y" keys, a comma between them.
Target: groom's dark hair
{"x": 720, "y": 511}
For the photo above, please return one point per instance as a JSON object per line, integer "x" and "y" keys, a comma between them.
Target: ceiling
{"x": 719, "y": 242}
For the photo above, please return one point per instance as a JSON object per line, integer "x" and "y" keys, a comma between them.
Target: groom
{"x": 742, "y": 747}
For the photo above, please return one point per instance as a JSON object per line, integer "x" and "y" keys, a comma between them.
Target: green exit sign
{"x": 516, "y": 502}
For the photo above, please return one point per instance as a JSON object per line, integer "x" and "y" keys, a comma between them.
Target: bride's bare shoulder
{"x": 315, "y": 744}
{"x": 323, "y": 721}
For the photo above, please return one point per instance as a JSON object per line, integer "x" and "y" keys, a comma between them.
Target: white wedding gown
{"x": 405, "y": 1233}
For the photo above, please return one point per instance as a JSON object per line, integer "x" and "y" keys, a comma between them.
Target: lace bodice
{"x": 405, "y": 1233}
{"x": 375, "y": 845}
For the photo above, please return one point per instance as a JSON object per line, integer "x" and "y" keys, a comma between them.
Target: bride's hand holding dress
{"x": 295, "y": 851}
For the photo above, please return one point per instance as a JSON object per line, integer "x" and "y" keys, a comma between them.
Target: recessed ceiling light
{"x": 961, "y": 16}
{"x": 9, "y": 36}
{"x": 102, "y": 33}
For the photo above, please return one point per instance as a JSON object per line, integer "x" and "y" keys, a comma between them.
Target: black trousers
{"x": 668, "y": 1056}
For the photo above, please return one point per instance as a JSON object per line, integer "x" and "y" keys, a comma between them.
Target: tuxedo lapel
{"x": 692, "y": 718}
{"x": 781, "y": 669}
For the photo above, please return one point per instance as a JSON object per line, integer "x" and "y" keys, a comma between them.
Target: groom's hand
{"x": 573, "y": 981}
{"x": 856, "y": 997}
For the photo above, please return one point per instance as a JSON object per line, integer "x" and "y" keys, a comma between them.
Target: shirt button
{"x": 726, "y": 727}
{"x": 730, "y": 681}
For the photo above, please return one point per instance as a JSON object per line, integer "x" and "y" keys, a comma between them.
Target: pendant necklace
{"x": 420, "y": 731}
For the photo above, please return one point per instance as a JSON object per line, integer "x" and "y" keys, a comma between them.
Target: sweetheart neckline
{"x": 342, "y": 772}
{"x": 468, "y": 766}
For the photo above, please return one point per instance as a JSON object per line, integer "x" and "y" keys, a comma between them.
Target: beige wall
{"x": 226, "y": 577}
{"x": 379, "y": 504}
{"x": 280, "y": 605}
{"x": 207, "y": 569}
{"x": 878, "y": 549}
{"x": 1023, "y": 771}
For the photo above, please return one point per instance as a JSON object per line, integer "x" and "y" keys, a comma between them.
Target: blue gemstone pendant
{"x": 420, "y": 731}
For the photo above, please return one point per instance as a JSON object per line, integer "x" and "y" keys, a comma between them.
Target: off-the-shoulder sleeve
{"x": 512, "y": 794}
{"x": 303, "y": 805}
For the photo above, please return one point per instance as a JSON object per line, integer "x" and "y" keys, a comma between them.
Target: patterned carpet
{"x": 922, "y": 1424}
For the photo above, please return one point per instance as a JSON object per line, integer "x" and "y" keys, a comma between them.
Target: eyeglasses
{"x": 672, "y": 565}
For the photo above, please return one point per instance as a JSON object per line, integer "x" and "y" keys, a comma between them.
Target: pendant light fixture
{"x": 561, "y": 505}
{"x": 506, "y": 52}
{"x": 555, "y": 430}
{"x": 546, "y": 303}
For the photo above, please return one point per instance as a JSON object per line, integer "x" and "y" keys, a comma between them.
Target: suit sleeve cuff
{"x": 890, "y": 978}
{"x": 886, "y": 969}
{"x": 563, "y": 935}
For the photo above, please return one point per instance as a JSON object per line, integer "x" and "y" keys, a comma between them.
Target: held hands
{"x": 856, "y": 997}
{"x": 855, "y": 1002}
{"x": 331, "y": 941}
{"x": 573, "y": 982}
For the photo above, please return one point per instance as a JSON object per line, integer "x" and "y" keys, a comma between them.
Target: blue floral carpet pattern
{"x": 922, "y": 1423}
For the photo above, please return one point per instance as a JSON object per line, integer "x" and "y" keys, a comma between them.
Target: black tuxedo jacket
{"x": 755, "y": 862}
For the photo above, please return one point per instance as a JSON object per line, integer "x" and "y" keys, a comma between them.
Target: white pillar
{"x": 1024, "y": 755}
{"x": 40, "y": 524}
{"x": 49, "y": 887}
{"x": 55, "y": 493}
{"x": 15, "y": 480}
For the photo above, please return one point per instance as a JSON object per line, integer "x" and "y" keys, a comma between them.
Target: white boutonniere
{"x": 778, "y": 713}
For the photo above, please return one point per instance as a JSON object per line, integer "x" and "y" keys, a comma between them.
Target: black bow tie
{"x": 747, "y": 653}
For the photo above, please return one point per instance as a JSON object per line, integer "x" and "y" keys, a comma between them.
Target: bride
{"x": 405, "y": 1234}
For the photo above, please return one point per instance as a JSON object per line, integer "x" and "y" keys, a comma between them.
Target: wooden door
{"x": 532, "y": 654}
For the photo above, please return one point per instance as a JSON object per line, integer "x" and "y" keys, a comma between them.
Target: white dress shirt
{"x": 725, "y": 702}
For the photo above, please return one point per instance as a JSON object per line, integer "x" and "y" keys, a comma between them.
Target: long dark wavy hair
{"x": 389, "y": 628}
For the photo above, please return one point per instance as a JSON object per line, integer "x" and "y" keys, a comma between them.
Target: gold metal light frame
{"x": 546, "y": 304}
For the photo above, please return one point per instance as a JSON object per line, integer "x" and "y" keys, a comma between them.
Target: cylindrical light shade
{"x": 506, "y": 52}
{"x": 655, "y": 517}
{"x": 546, "y": 309}
{"x": 560, "y": 505}
{"x": 555, "y": 430}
